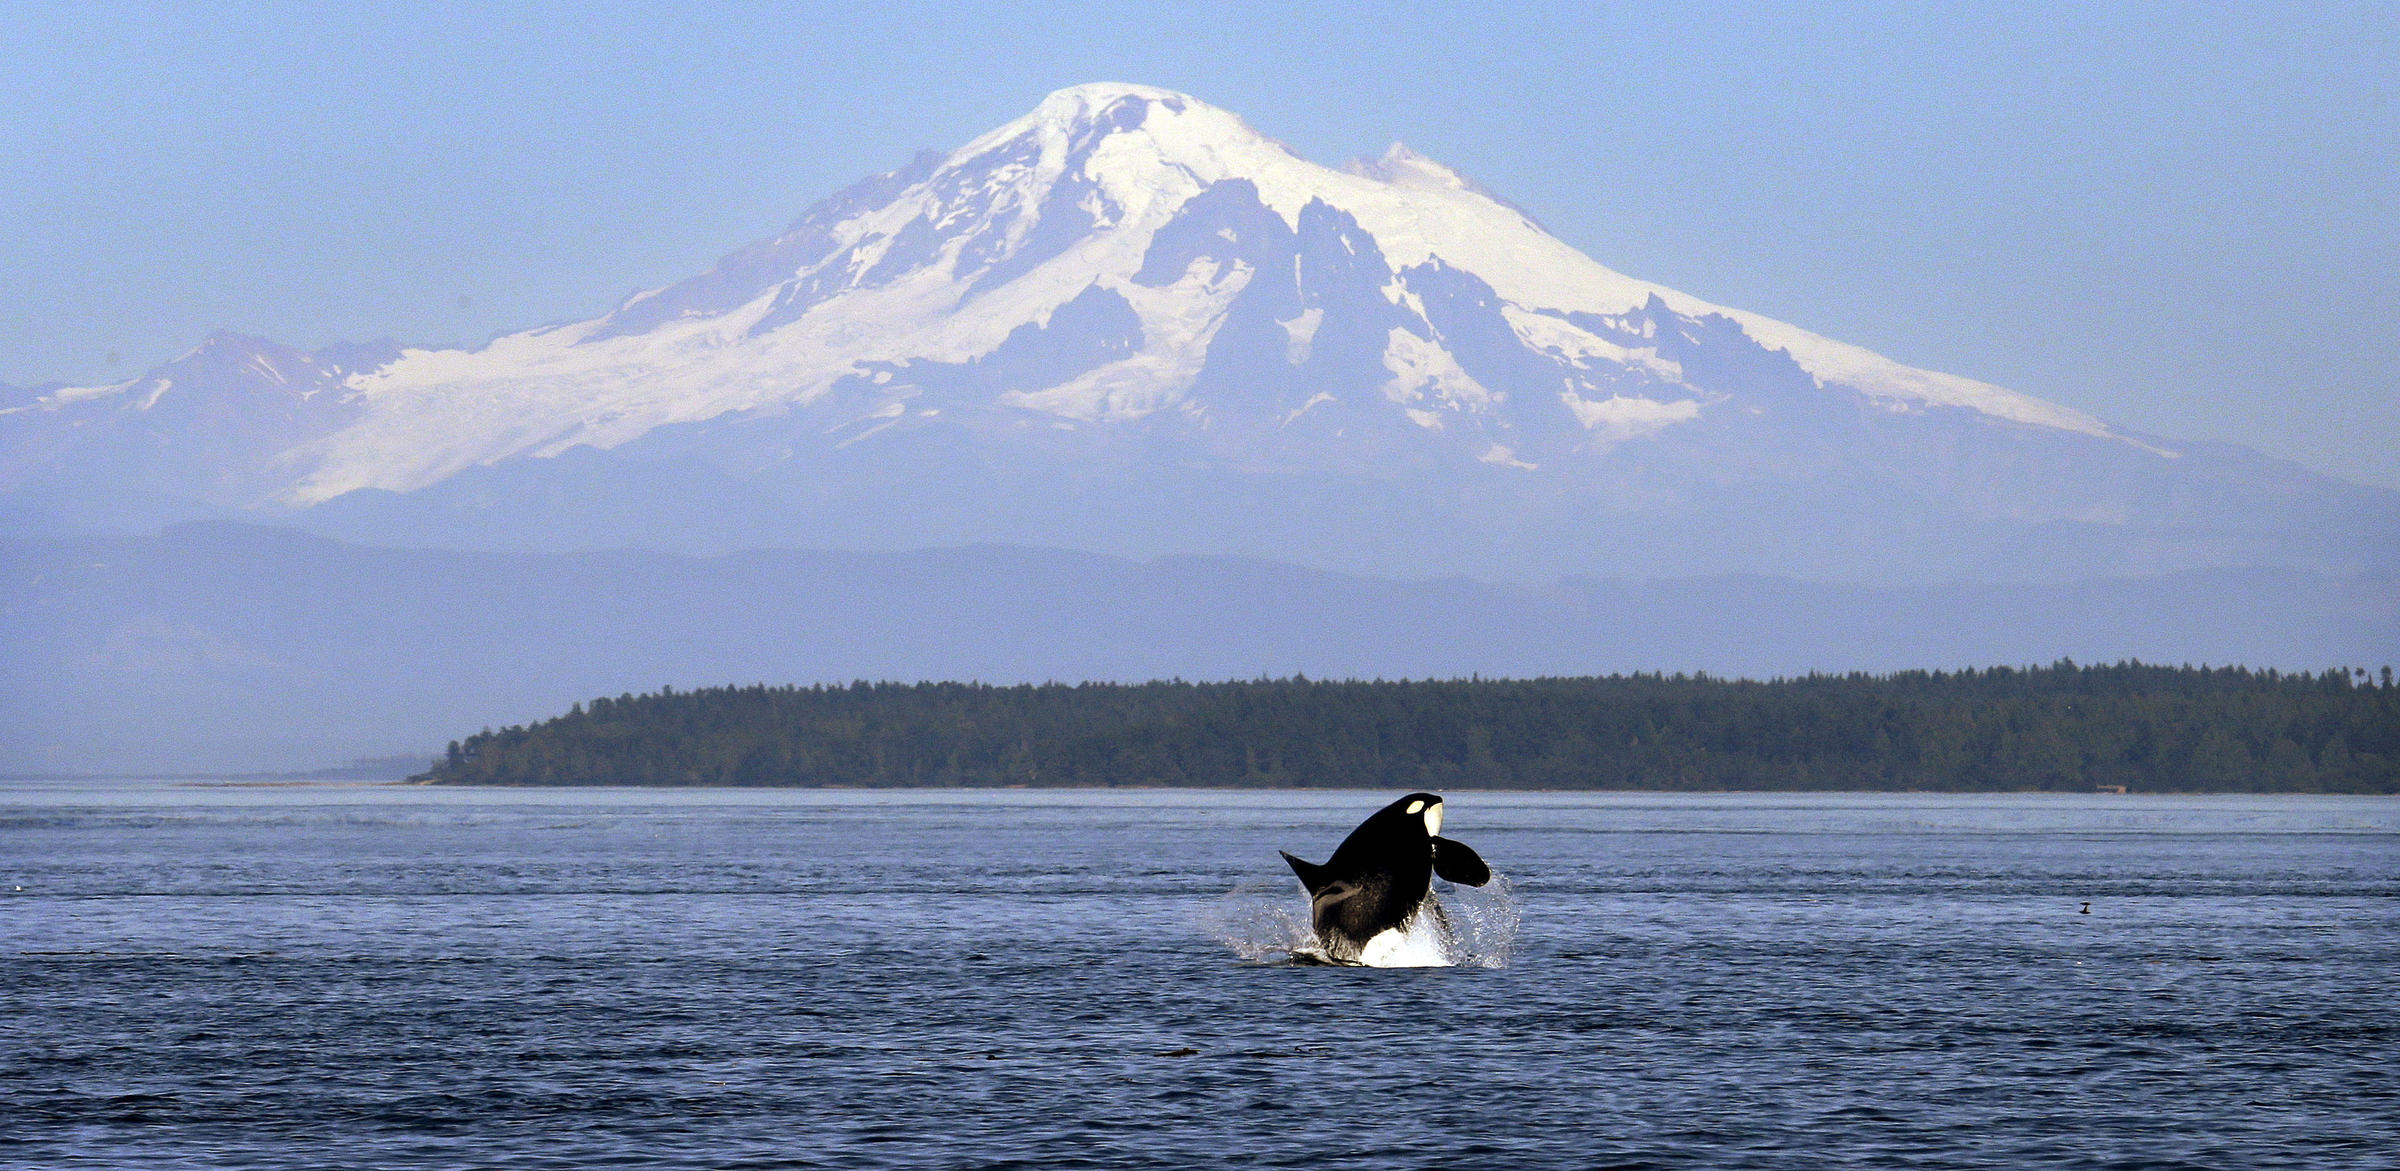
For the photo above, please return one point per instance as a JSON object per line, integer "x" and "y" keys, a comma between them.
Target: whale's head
{"x": 1415, "y": 811}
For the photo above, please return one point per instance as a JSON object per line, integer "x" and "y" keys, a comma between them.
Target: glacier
{"x": 1128, "y": 322}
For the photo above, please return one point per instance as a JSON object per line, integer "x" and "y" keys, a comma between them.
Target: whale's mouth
{"x": 1433, "y": 820}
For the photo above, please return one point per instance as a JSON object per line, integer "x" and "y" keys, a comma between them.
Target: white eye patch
{"x": 1416, "y": 807}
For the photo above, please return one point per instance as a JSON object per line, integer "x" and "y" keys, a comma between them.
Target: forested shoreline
{"x": 2062, "y": 728}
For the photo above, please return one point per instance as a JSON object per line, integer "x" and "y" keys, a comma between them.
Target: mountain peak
{"x": 1079, "y": 102}
{"x": 1080, "y": 119}
{"x": 1085, "y": 113}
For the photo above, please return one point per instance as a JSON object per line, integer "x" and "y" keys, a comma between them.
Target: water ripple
{"x": 663, "y": 980}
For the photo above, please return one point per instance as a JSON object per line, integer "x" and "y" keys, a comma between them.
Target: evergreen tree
{"x": 2061, "y": 728}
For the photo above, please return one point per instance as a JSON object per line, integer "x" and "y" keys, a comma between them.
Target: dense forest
{"x": 2063, "y": 728}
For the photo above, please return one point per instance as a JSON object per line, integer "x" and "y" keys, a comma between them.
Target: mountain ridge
{"x": 1128, "y": 295}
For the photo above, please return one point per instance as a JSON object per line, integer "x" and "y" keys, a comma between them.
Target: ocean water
{"x": 331, "y": 976}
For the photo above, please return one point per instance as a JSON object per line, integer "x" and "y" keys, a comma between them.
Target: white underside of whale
{"x": 1402, "y": 947}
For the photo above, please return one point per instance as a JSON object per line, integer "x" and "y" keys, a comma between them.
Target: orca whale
{"x": 1381, "y": 874}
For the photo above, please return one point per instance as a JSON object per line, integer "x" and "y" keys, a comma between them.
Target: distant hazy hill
{"x": 220, "y": 647}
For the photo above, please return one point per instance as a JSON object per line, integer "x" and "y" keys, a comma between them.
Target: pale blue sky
{"x": 2183, "y": 218}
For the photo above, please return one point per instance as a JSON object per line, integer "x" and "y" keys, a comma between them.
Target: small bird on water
{"x": 2087, "y": 909}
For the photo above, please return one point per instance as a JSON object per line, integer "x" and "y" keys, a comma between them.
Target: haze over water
{"x": 285, "y": 977}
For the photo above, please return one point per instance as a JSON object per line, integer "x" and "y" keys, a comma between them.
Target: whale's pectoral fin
{"x": 1454, "y": 861}
{"x": 1311, "y": 875}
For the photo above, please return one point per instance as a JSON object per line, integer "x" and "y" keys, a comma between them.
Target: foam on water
{"x": 1262, "y": 922}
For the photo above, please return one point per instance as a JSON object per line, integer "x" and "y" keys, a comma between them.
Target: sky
{"x": 2184, "y": 219}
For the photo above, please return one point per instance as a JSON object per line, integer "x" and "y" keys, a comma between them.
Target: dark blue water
{"x": 371, "y": 977}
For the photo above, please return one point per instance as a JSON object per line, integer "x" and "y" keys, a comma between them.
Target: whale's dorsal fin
{"x": 1311, "y": 875}
{"x": 1456, "y": 862}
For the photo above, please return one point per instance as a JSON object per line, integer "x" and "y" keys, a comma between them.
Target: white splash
{"x": 1463, "y": 927}
{"x": 1260, "y": 922}
{"x": 1422, "y": 942}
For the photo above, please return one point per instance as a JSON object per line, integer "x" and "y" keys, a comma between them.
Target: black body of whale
{"x": 1381, "y": 873}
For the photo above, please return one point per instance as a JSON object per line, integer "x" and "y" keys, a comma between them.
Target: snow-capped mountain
{"x": 1129, "y": 322}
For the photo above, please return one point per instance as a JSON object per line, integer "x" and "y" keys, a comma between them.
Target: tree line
{"x": 2061, "y": 728}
